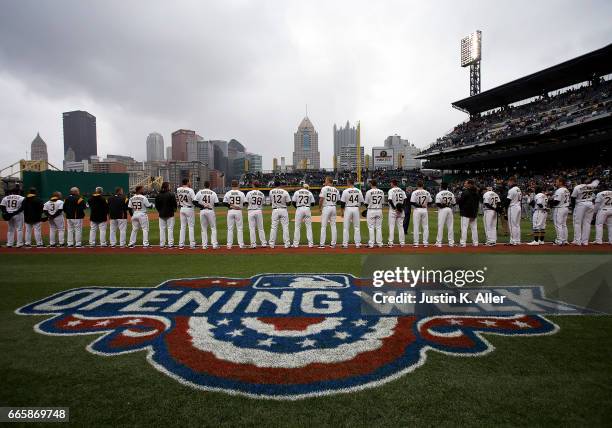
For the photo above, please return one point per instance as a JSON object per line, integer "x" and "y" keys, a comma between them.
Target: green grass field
{"x": 526, "y": 235}
{"x": 561, "y": 379}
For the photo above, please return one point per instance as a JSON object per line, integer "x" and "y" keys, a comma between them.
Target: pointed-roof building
{"x": 38, "y": 149}
{"x": 306, "y": 146}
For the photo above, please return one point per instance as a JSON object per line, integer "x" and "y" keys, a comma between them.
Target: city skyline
{"x": 395, "y": 67}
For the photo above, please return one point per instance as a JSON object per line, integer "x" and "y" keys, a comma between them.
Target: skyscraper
{"x": 403, "y": 152}
{"x": 179, "y": 143}
{"x": 155, "y": 147}
{"x": 306, "y": 146}
{"x": 80, "y": 134}
{"x": 345, "y": 148}
{"x": 169, "y": 153}
{"x": 38, "y": 149}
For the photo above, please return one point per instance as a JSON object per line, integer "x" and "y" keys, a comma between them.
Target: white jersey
{"x": 139, "y": 204}
{"x": 330, "y": 196}
{"x": 374, "y": 199}
{"x": 352, "y": 197}
{"x": 207, "y": 198}
{"x": 396, "y": 196}
{"x": 234, "y": 197}
{"x": 515, "y": 195}
{"x": 12, "y": 202}
{"x": 584, "y": 192}
{"x": 491, "y": 198}
{"x": 603, "y": 200}
{"x": 303, "y": 198}
{"x": 421, "y": 198}
{"x": 185, "y": 196}
{"x": 255, "y": 199}
{"x": 563, "y": 196}
{"x": 280, "y": 198}
{"x": 445, "y": 197}
{"x": 541, "y": 199}
{"x": 51, "y": 207}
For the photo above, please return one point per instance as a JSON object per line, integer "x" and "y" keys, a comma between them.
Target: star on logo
{"x": 307, "y": 342}
{"x": 133, "y": 322}
{"x": 521, "y": 324}
{"x": 234, "y": 333}
{"x": 267, "y": 342}
{"x": 341, "y": 335}
{"x": 455, "y": 322}
{"x": 224, "y": 321}
{"x": 359, "y": 323}
{"x": 488, "y": 323}
{"x": 103, "y": 323}
{"x": 73, "y": 323}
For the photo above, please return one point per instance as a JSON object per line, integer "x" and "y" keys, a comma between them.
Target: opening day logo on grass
{"x": 284, "y": 336}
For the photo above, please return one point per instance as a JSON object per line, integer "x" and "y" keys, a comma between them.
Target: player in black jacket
{"x": 468, "y": 203}
{"x": 118, "y": 213}
{"x": 74, "y": 209}
{"x": 32, "y": 212}
{"x": 166, "y": 206}
{"x": 98, "y": 215}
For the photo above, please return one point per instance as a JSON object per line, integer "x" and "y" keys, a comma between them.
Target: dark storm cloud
{"x": 246, "y": 69}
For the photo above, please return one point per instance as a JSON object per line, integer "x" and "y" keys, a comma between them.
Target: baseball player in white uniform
{"x": 302, "y": 200}
{"x": 53, "y": 209}
{"x": 255, "y": 201}
{"x": 140, "y": 220}
{"x": 419, "y": 199}
{"x": 603, "y": 207}
{"x": 539, "y": 203}
{"x": 234, "y": 200}
{"x": 329, "y": 196}
{"x": 396, "y": 198}
{"x": 206, "y": 200}
{"x": 374, "y": 199}
{"x": 351, "y": 200}
{"x": 12, "y": 211}
{"x": 490, "y": 207}
{"x": 280, "y": 199}
{"x": 185, "y": 196}
{"x": 445, "y": 200}
{"x": 560, "y": 208}
{"x": 514, "y": 198}
{"x": 582, "y": 196}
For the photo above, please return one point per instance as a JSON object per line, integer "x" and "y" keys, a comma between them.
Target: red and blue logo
{"x": 282, "y": 336}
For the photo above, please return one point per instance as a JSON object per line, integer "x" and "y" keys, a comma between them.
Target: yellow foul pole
{"x": 359, "y": 152}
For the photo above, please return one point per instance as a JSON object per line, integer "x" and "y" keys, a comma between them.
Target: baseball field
{"x": 554, "y": 379}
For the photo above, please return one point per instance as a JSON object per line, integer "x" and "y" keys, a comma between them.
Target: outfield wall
{"x": 48, "y": 182}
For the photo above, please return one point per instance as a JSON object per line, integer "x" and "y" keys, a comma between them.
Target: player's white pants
{"x": 187, "y": 216}
{"x": 560, "y": 221}
{"x": 420, "y": 221}
{"x": 15, "y": 226}
{"x": 121, "y": 224}
{"x": 539, "y": 219}
{"x": 280, "y": 215}
{"x": 604, "y": 216}
{"x": 396, "y": 219}
{"x": 93, "y": 228}
{"x": 583, "y": 214}
{"x": 29, "y": 228}
{"x": 374, "y": 220}
{"x": 472, "y": 224}
{"x": 302, "y": 215}
{"x": 514, "y": 223}
{"x": 140, "y": 221}
{"x": 351, "y": 216}
{"x": 445, "y": 218}
{"x": 328, "y": 215}
{"x": 208, "y": 219}
{"x": 256, "y": 225}
{"x": 75, "y": 231}
{"x": 489, "y": 218}
{"x": 234, "y": 218}
{"x": 56, "y": 225}
{"x": 166, "y": 231}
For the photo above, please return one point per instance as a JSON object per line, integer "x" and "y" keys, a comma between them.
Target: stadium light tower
{"x": 470, "y": 55}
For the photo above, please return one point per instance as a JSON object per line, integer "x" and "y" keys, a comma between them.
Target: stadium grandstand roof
{"x": 576, "y": 70}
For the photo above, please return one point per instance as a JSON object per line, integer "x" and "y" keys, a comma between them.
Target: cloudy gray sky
{"x": 245, "y": 69}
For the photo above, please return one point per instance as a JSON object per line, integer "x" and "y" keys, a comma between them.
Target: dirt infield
{"x": 408, "y": 249}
